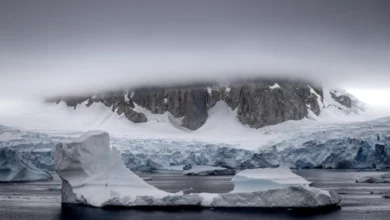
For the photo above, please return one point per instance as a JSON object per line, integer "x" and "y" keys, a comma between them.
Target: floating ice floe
{"x": 202, "y": 170}
{"x": 13, "y": 168}
{"x": 92, "y": 173}
{"x": 266, "y": 179}
{"x": 385, "y": 178}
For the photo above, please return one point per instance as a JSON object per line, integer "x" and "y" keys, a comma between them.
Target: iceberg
{"x": 13, "y": 168}
{"x": 290, "y": 197}
{"x": 266, "y": 179}
{"x": 93, "y": 174}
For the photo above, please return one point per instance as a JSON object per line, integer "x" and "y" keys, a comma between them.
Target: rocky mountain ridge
{"x": 258, "y": 103}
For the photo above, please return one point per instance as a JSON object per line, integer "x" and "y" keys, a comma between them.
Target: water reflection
{"x": 77, "y": 212}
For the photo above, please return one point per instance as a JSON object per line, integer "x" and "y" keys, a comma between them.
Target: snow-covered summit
{"x": 342, "y": 101}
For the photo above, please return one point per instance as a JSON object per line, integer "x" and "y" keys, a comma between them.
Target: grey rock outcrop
{"x": 342, "y": 99}
{"x": 259, "y": 104}
{"x": 136, "y": 117}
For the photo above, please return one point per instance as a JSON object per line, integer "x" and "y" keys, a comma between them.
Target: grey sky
{"x": 54, "y": 46}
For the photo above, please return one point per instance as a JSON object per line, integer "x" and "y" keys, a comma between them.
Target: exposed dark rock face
{"x": 231, "y": 95}
{"x": 342, "y": 99}
{"x": 213, "y": 99}
{"x": 151, "y": 99}
{"x": 196, "y": 114}
{"x": 260, "y": 105}
{"x": 191, "y": 104}
{"x": 133, "y": 116}
{"x": 258, "y": 102}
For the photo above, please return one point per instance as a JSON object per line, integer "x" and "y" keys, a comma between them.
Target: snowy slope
{"x": 334, "y": 111}
{"x": 222, "y": 124}
{"x": 335, "y": 139}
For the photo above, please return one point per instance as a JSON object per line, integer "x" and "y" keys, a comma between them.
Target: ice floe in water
{"x": 92, "y": 173}
{"x": 266, "y": 179}
{"x": 385, "y": 178}
{"x": 203, "y": 170}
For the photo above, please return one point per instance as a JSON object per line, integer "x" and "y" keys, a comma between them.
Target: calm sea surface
{"x": 41, "y": 200}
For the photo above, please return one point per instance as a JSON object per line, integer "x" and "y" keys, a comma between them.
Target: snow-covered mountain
{"x": 257, "y": 103}
{"x": 234, "y": 134}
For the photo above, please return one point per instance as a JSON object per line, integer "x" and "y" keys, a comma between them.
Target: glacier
{"x": 13, "y": 168}
{"x": 329, "y": 141}
{"x": 297, "y": 145}
{"x": 92, "y": 174}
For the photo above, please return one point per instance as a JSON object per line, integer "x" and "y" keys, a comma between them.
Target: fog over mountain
{"x": 51, "y": 47}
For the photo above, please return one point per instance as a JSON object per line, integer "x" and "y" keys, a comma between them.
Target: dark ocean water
{"x": 41, "y": 200}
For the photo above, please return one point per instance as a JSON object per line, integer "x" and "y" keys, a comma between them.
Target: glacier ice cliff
{"x": 92, "y": 173}
{"x": 360, "y": 145}
{"x": 13, "y": 168}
